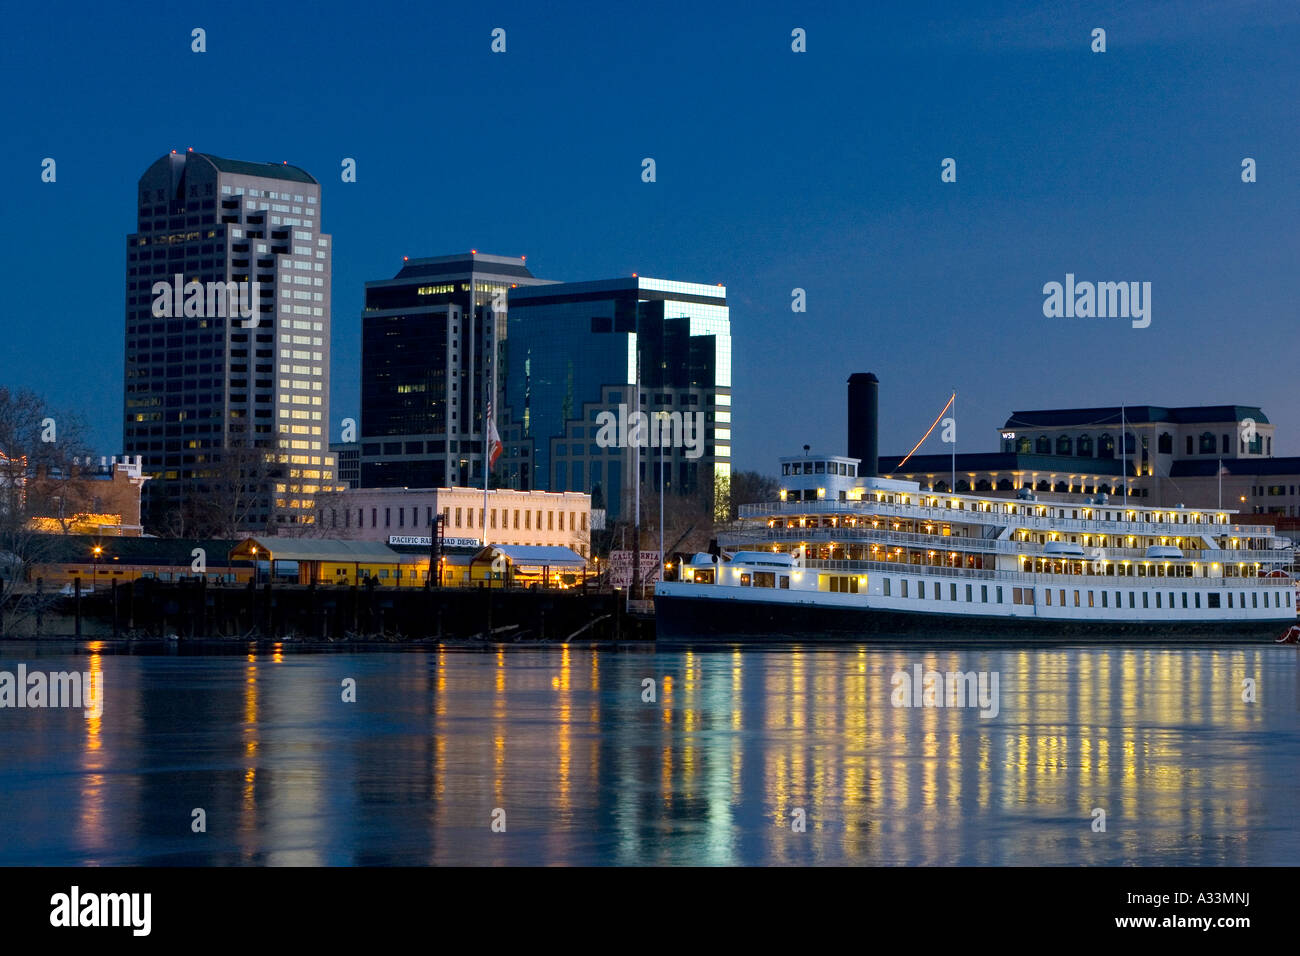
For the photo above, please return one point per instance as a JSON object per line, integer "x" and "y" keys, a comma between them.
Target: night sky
{"x": 775, "y": 170}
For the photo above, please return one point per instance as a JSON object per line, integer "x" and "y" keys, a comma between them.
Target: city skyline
{"x": 944, "y": 280}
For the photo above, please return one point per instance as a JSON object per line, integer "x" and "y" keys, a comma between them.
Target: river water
{"x": 557, "y": 755}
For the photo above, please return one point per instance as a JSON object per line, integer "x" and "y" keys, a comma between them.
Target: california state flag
{"x": 494, "y": 440}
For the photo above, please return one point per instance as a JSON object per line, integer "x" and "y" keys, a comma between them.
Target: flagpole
{"x": 1123, "y": 446}
{"x": 1220, "y": 482}
{"x": 491, "y": 383}
{"x": 954, "y": 440}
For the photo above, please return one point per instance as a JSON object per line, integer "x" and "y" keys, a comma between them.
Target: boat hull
{"x": 691, "y": 620}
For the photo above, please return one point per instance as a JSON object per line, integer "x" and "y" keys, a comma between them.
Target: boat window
{"x": 764, "y": 579}
{"x": 1184, "y": 599}
{"x": 984, "y": 593}
{"x": 999, "y": 594}
{"x": 820, "y": 468}
{"x": 1048, "y": 592}
{"x": 1105, "y": 599}
{"x": 785, "y": 581}
{"x": 886, "y": 580}
{"x": 1158, "y": 605}
{"x": 744, "y": 579}
{"x": 904, "y": 591}
{"x": 1254, "y": 599}
{"x": 1212, "y": 600}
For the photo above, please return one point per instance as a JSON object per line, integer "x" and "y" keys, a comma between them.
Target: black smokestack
{"x": 864, "y": 408}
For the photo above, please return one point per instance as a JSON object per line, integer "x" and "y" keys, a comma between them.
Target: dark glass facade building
{"x": 428, "y": 340}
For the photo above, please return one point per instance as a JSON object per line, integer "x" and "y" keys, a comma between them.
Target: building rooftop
{"x": 463, "y": 265}
{"x": 266, "y": 170}
{"x": 644, "y": 286}
{"x": 535, "y": 555}
{"x": 1003, "y": 461}
{"x": 1133, "y": 415}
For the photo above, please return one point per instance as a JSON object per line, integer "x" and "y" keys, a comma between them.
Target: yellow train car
{"x": 57, "y": 560}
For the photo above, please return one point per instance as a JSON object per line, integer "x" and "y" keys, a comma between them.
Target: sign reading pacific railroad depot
{"x": 424, "y": 541}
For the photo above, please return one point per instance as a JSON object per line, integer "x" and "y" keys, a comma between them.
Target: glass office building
{"x": 428, "y": 337}
{"x": 573, "y": 353}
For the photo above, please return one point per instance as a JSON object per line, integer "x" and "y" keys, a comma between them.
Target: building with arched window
{"x": 1204, "y": 455}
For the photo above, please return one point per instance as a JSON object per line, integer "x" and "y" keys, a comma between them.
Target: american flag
{"x": 494, "y": 440}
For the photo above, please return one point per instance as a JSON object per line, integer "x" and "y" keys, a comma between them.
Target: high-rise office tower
{"x": 428, "y": 336}
{"x": 227, "y": 344}
{"x": 573, "y": 357}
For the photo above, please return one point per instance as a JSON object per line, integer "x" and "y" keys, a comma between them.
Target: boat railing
{"x": 986, "y": 574}
{"x": 764, "y": 536}
{"x": 1046, "y": 522}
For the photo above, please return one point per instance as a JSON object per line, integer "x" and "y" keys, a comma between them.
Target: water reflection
{"x": 714, "y": 770}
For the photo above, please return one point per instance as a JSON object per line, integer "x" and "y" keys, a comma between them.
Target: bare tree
{"x": 747, "y": 488}
{"x": 225, "y": 492}
{"x": 42, "y": 455}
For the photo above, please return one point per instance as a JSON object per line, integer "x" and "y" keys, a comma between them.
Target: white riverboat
{"x": 844, "y": 556}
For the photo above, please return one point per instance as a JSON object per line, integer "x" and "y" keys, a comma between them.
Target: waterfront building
{"x": 227, "y": 405}
{"x": 1215, "y": 455}
{"x": 428, "y": 340}
{"x": 513, "y": 517}
{"x": 576, "y": 356}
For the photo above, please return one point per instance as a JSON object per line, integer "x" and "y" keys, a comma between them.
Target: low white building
{"x": 541, "y": 518}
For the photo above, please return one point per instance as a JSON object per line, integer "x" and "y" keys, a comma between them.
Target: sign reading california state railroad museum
{"x": 620, "y": 568}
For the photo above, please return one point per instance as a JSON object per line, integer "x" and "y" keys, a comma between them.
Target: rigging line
{"x": 938, "y": 419}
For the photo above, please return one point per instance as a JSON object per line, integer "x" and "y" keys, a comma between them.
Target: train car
{"x": 57, "y": 560}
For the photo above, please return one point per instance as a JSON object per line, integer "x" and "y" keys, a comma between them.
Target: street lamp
{"x": 94, "y": 574}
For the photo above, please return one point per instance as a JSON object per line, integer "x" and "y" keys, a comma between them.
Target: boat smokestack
{"x": 864, "y": 412}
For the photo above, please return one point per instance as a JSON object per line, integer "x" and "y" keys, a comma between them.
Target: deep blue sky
{"x": 775, "y": 170}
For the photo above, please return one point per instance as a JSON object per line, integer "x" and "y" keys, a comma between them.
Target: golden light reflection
{"x": 248, "y": 806}
{"x": 90, "y": 823}
{"x": 565, "y": 741}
